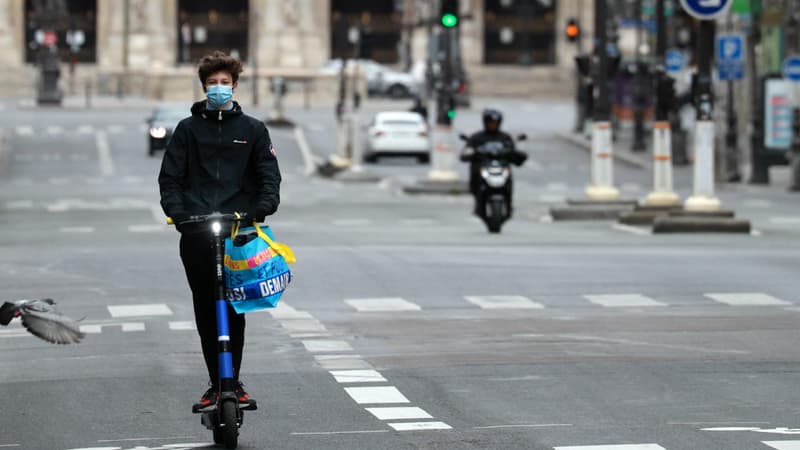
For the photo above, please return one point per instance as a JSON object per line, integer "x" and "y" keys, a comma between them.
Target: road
{"x": 406, "y": 324}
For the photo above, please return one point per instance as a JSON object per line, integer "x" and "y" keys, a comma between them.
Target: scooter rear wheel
{"x": 229, "y": 421}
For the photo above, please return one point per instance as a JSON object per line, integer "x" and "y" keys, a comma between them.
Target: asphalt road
{"x": 406, "y": 325}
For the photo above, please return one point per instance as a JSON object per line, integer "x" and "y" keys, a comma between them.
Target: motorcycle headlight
{"x": 158, "y": 132}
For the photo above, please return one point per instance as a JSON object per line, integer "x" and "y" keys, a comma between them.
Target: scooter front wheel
{"x": 229, "y": 424}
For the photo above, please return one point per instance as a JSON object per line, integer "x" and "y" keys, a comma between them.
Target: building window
{"x": 380, "y": 24}
{"x": 208, "y": 25}
{"x": 74, "y": 23}
{"x": 520, "y": 32}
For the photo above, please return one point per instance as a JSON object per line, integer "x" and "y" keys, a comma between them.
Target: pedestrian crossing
{"x": 60, "y": 131}
{"x": 778, "y": 445}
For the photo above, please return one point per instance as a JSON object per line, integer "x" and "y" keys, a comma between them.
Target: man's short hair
{"x": 218, "y": 62}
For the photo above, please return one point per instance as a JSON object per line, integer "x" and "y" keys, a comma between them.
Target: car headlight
{"x": 158, "y": 132}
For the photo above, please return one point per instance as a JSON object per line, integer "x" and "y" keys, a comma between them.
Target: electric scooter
{"x": 225, "y": 416}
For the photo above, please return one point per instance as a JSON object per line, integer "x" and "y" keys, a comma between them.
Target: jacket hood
{"x": 199, "y": 109}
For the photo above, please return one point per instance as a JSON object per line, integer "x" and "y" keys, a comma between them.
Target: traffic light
{"x": 448, "y": 15}
{"x": 573, "y": 30}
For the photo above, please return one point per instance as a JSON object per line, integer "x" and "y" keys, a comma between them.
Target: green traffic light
{"x": 451, "y": 114}
{"x": 449, "y": 20}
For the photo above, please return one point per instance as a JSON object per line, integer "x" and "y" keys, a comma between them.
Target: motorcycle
{"x": 493, "y": 194}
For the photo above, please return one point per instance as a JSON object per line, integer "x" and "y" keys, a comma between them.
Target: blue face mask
{"x": 219, "y": 95}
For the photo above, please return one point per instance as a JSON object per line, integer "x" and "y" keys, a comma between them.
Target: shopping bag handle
{"x": 279, "y": 248}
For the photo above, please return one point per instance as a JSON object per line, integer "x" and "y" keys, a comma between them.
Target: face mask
{"x": 219, "y": 94}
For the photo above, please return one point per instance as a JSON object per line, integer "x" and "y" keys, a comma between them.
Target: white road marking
{"x": 305, "y": 150}
{"x": 551, "y": 198}
{"x": 308, "y": 335}
{"x": 186, "y": 325}
{"x": 376, "y": 395}
{"x": 322, "y": 433}
{"x": 748, "y": 299}
{"x": 23, "y": 157}
{"x": 382, "y": 304}
{"x": 323, "y": 345}
{"x": 357, "y": 376}
{"x": 76, "y": 229}
{"x": 613, "y": 447}
{"x": 783, "y": 445}
{"x": 757, "y": 203}
{"x": 19, "y": 204}
{"x": 284, "y": 311}
{"x": 132, "y": 179}
{"x": 24, "y": 130}
{"x": 104, "y": 154}
{"x": 9, "y": 445}
{"x": 14, "y": 332}
{"x": 115, "y": 128}
{"x": 147, "y": 228}
{"x": 631, "y": 229}
{"x": 524, "y": 425}
{"x": 622, "y": 300}
{"x": 154, "y": 309}
{"x": 418, "y": 222}
{"x": 78, "y": 157}
{"x": 792, "y": 220}
{"x": 420, "y": 426}
{"x": 125, "y": 326}
{"x": 557, "y": 186}
{"x": 503, "y": 302}
{"x": 85, "y": 129}
{"x": 59, "y": 181}
{"x": 303, "y": 325}
{"x": 54, "y": 129}
{"x": 342, "y": 362}
{"x": 175, "y": 446}
{"x": 399, "y": 413}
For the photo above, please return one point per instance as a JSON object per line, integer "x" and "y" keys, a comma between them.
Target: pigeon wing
{"x": 47, "y": 323}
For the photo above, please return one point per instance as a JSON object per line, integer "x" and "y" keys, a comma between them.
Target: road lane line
{"x": 613, "y": 447}
{"x": 503, "y": 302}
{"x": 524, "y": 425}
{"x": 382, "y": 304}
{"x": 104, "y": 153}
{"x": 420, "y": 426}
{"x": 19, "y": 204}
{"x": 54, "y": 129}
{"x": 358, "y": 376}
{"x": 76, "y": 229}
{"x": 376, "y": 395}
{"x": 153, "y": 309}
{"x": 622, "y": 300}
{"x": 24, "y": 130}
{"x": 305, "y": 150}
{"x": 323, "y": 433}
{"x": 631, "y": 229}
{"x": 747, "y": 299}
{"x": 102, "y": 441}
{"x": 149, "y": 228}
{"x": 399, "y": 413}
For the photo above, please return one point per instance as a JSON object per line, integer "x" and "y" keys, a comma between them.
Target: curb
{"x": 3, "y": 152}
{"x": 700, "y": 225}
{"x": 578, "y": 141}
{"x": 437, "y": 187}
{"x": 589, "y": 212}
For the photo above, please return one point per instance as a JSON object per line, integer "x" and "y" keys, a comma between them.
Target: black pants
{"x": 197, "y": 255}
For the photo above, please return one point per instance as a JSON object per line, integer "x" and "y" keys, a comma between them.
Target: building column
{"x": 292, "y": 33}
{"x": 12, "y": 22}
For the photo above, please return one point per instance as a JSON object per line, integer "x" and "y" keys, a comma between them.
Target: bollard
{"x": 602, "y": 187}
{"x": 703, "y": 198}
{"x": 443, "y": 155}
{"x": 663, "y": 194}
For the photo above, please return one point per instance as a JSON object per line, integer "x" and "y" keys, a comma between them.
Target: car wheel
{"x": 424, "y": 159}
{"x": 370, "y": 158}
{"x": 398, "y": 91}
{"x": 151, "y": 151}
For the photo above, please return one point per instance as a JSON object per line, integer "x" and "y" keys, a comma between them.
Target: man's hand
{"x": 257, "y": 214}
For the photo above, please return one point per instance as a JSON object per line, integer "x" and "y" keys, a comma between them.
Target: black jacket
{"x": 219, "y": 161}
{"x": 473, "y": 156}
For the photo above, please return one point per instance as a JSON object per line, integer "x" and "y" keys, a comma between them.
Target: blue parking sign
{"x": 674, "y": 60}
{"x": 791, "y": 68}
{"x": 705, "y": 9}
{"x": 730, "y": 57}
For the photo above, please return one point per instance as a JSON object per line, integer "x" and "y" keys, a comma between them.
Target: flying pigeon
{"x": 42, "y": 319}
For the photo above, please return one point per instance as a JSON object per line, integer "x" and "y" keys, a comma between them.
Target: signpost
{"x": 675, "y": 60}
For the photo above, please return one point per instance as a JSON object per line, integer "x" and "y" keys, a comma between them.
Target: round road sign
{"x": 705, "y": 9}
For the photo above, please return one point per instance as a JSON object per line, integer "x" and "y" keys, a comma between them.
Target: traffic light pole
{"x": 602, "y": 183}
{"x": 443, "y": 154}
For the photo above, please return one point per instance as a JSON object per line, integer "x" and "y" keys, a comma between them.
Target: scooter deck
{"x": 197, "y": 408}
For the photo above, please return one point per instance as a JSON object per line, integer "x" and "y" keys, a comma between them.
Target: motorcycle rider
{"x": 492, "y": 119}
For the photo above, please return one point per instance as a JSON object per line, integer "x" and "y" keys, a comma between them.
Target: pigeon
{"x": 42, "y": 319}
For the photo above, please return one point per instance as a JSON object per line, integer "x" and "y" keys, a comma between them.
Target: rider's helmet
{"x": 492, "y": 119}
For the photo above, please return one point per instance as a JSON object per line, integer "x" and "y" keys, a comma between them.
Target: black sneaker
{"x": 209, "y": 398}
{"x": 244, "y": 397}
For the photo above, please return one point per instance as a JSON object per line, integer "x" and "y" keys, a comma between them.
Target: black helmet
{"x": 492, "y": 115}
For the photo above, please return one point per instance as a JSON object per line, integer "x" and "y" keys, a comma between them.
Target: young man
{"x": 219, "y": 159}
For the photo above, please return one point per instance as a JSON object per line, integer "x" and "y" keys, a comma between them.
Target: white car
{"x": 381, "y": 80}
{"x": 399, "y": 133}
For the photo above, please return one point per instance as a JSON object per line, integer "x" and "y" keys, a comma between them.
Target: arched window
{"x": 519, "y": 32}
{"x": 208, "y": 25}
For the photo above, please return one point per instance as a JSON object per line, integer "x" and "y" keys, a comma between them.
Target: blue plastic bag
{"x": 257, "y": 272}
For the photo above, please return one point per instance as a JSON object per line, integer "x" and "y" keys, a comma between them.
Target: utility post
{"x": 759, "y": 169}
{"x": 443, "y": 155}
{"x": 732, "y": 174}
{"x": 639, "y": 91}
{"x": 793, "y": 50}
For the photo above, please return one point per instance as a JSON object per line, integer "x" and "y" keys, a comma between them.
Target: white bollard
{"x": 703, "y": 198}
{"x": 663, "y": 194}
{"x": 602, "y": 187}
{"x": 443, "y": 156}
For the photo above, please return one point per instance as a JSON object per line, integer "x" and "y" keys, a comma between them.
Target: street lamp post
{"x": 639, "y": 92}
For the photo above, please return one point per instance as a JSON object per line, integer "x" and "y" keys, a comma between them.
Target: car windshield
{"x": 401, "y": 123}
{"x": 169, "y": 115}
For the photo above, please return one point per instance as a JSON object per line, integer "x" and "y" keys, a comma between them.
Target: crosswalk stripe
{"x": 358, "y": 376}
{"x": 622, "y": 300}
{"x": 155, "y": 309}
{"x": 399, "y": 413}
{"x": 376, "y": 395}
{"x": 185, "y": 325}
{"x": 382, "y": 304}
{"x": 284, "y": 311}
{"x": 54, "y": 129}
{"x": 342, "y": 362}
{"x": 783, "y": 445}
{"x": 503, "y": 302}
{"x": 613, "y": 447}
{"x": 419, "y": 426}
{"x": 747, "y": 299}
{"x": 149, "y": 228}
{"x": 76, "y": 229}
{"x": 124, "y": 326}
{"x": 85, "y": 129}
{"x": 325, "y": 345}
{"x": 24, "y": 130}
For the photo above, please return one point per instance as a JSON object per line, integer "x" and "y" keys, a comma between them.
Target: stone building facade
{"x": 144, "y": 44}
